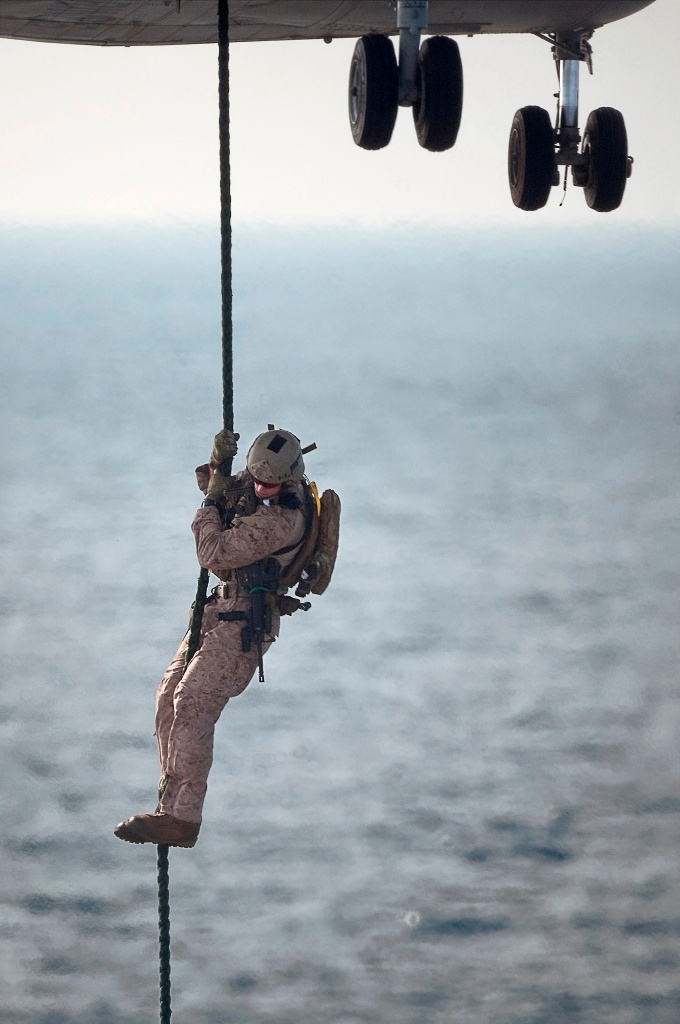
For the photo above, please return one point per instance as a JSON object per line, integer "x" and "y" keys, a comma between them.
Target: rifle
{"x": 258, "y": 580}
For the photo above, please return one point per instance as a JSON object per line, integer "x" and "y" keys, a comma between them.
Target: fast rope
{"x": 228, "y": 423}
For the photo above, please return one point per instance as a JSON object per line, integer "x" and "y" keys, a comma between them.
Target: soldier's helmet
{"x": 275, "y": 457}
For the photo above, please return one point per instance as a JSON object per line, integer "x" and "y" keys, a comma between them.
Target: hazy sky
{"x": 93, "y": 134}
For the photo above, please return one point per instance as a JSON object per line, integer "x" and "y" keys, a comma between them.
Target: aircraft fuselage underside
{"x": 149, "y": 22}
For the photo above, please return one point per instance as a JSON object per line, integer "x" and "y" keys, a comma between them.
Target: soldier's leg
{"x": 218, "y": 671}
{"x": 165, "y": 696}
{"x": 165, "y": 710}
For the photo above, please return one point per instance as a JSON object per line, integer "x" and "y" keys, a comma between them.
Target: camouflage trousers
{"x": 189, "y": 706}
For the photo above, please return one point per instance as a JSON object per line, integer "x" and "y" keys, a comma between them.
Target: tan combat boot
{"x": 160, "y": 829}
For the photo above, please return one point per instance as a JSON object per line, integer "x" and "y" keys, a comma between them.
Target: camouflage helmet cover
{"x": 275, "y": 457}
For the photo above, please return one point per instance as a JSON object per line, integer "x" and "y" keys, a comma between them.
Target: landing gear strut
{"x": 536, "y": 150}
{"x": 428, "y": 78}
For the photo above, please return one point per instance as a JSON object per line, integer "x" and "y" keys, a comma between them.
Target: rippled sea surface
{"x": 455, "y": 799}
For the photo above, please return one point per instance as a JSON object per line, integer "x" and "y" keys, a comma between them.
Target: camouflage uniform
{"x": 187, "y": 707}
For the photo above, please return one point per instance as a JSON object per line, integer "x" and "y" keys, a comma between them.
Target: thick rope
{"x": 164, "y": 933}
{"x": 225, "y": 221}
{"x": 227, "y": 329}
{"x": 228, "y": 422}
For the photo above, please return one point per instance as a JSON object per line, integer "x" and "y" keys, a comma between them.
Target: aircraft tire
{"x": 606, "y": 140}
{"x": 438, "y": 110}
{"x": 373, "y": 91}
{"x": 531, "y": 158}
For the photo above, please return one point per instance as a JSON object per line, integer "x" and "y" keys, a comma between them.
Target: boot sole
{"x": 154, "y": 842}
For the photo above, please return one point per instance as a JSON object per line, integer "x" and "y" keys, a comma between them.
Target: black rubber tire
{"x": 438, "y": 110}
{"x": 606, "y": 139}
{"x": 373, "y": 91}
{"x": 531, "y": 158}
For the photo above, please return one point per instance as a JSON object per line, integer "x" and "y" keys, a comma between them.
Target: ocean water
{"x": 455, "y": 799}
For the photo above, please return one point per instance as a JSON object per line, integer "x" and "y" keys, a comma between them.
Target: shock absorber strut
{"x": 411, "y": 22}
{"x": 570, "y": 50}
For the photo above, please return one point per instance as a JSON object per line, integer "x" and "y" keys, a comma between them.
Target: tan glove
{"x": 224, "y": 489}
{"x": 232, "y": 492}
{"x": 224, "y": 448}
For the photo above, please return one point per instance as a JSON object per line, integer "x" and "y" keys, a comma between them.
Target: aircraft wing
{"x": 158, "y": 22}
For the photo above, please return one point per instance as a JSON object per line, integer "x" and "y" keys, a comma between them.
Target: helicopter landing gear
{"x": 536, "y": 151}
{"x": 438, "y": 107}
{"x": 605, "y": 144}
{"x": 531, "y": 158}
{"x": 373, "y": 91}
{"x": 428, "y": 78}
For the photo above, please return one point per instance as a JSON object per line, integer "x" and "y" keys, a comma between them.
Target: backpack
{"x": 312, "y": 567}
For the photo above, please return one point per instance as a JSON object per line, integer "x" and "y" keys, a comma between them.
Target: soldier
{"x": 267, "y": 519}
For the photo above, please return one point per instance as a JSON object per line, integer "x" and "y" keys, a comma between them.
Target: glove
{"x": 232, "y": 492}
{"x": 222, "y": 488}
{"x": 224, "y": 448}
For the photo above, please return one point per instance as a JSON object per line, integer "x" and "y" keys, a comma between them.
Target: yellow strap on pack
{"x": 314, "y": 491}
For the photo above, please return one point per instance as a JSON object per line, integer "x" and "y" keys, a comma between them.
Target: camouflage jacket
{"x": 249, "y": 538}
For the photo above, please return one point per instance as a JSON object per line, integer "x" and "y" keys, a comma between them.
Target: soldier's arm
{"x": 248, "y": 539}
